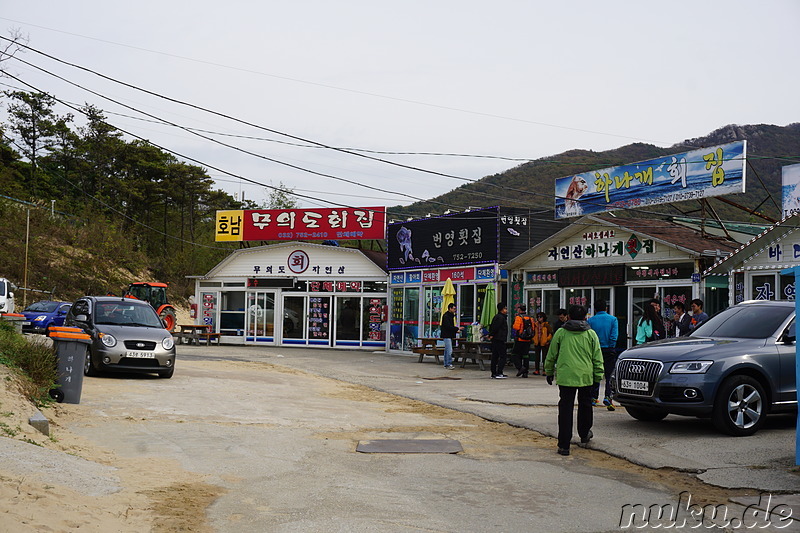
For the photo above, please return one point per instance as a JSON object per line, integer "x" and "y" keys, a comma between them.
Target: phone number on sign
{"x": 470, "y": 255}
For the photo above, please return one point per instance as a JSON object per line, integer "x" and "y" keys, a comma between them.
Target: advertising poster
{"x": 790, "y": 192}
{"x": 702, "y": 173}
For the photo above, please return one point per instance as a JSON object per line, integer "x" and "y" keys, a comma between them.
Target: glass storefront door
{"x": 432, "y": 319}
{"x": 260, "y": 317}
{"x": 545, "y": 300}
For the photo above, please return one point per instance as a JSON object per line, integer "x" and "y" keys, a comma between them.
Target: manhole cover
{"x": 409, "y": 446}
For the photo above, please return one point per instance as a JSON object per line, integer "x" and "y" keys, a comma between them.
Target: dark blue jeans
{"x": 566, "y": 403}
{"x": 609, "y": 360}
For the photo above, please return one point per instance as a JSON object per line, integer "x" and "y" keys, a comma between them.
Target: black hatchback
{"x": 735, "y": 368}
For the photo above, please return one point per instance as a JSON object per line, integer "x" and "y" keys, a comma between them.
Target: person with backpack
{"x": 576, "y": 362}
{"x": 543, "y": 334}
{"x": 523, "y": 331}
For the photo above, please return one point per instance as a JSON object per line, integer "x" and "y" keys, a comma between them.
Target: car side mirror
{"x": 164, "y": 323}
{"x": 81, "y": 318}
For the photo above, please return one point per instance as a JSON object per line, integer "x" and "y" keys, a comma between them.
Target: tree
{"x": 281, "y": 197}
{"x": 35, "y": 125}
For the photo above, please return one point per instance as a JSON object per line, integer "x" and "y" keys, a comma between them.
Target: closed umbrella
{"x": 448, "y": 296}
{"x": 489, "y": 308}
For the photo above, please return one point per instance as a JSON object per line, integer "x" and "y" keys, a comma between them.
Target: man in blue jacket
{"x": 607, "y": 328}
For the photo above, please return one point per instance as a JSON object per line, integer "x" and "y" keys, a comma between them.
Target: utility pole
{"x": 25, "y": 274}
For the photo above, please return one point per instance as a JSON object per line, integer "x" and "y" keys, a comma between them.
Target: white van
{"x": 6, "y": 296}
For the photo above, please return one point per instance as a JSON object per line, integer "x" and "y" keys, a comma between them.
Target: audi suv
{"x": 735, "y": 368}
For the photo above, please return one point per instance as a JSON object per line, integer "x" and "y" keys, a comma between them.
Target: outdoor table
{"x": 194, "y": 332}
{"x": 428, "y": 346}
{"x": 477, "y": 351}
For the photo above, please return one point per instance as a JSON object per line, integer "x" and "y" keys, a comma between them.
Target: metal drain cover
{"x": 409, "y": 446}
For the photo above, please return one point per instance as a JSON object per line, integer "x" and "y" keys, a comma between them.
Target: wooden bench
{"x": 208, "y": 337}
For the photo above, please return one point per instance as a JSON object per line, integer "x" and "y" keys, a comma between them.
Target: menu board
{"x": 375, "y": 319}
{"x": 319, "y": 309}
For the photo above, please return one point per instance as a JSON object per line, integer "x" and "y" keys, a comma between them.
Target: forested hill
{"x": 531, "y": 184}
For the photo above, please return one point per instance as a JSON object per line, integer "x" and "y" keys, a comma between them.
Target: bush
{"x": 35, "y": 363}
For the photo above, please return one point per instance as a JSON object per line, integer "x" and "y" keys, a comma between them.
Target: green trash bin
{"x": 71, "y": 345}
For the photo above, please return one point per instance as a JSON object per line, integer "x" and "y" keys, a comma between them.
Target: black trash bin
{"x": 71, "y": 345}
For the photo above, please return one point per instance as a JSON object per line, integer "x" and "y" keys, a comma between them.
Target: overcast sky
{"x": 521, "y": 79}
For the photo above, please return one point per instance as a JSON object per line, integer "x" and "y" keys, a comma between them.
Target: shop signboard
{"x": 456, "y": 239}
{"x": 346, "y": 223}
{"x": 790, "y": 192}
{"x": 693, "y": 175}
{"x": 592, "y": 276}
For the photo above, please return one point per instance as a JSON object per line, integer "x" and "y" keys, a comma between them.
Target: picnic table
{"x": 477, "y": 351}
{"x": 195, "y": 332}
{"x": 428, "y": 346}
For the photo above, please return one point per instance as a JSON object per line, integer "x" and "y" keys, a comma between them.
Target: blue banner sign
{"x": 694, "y": 175}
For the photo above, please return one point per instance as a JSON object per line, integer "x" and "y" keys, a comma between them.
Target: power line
{"x": 344, "y": 89}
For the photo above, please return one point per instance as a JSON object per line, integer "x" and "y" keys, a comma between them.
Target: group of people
{"x": 582, "y": 352}
{"x": 651, "y": 325}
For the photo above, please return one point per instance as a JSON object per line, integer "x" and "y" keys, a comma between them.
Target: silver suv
{"x": 127, "y": 336}
{"x": 735, "y": 368}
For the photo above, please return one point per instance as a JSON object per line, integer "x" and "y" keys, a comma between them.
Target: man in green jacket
{"x": 576, "y": 360}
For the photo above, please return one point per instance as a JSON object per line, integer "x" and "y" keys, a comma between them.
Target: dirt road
{"x": 251, "y": 446}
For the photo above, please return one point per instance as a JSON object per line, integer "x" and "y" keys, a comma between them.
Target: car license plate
{"x": 140, "y": 355}
{"x": 635, "y": 385}
{"x": 26, "y": 323}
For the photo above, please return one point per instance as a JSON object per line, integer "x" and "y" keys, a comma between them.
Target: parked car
{"x": 127, "y": 336}
{"x": 41, "y": 315}
{"x": 735, "y": 368}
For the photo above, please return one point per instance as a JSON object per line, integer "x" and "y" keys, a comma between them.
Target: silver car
{"x": 127, "y": 336}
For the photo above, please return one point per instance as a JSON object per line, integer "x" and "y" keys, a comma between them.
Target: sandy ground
{"x": 66, "y": 482}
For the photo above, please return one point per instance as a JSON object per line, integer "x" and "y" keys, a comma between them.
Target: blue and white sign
{"x": 484, "y": 273}
{"x": 702, "y": 173}
{"x": 790, "y": 192}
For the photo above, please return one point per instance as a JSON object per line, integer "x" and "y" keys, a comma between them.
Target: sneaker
{"x": 535, "y": 372}
{"x": 585, "y": 440}
{"x": 563, "y": 451}
{"x": 596, "y": 403}
{"x": 501, "y": 376}
{"x": 449, "y": 367}
{"x": 606, "y": 401}
{"x": 494, "y": 376}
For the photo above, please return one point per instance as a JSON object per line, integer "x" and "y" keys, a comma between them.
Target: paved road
{"x": 764, "y": 461}
{"x": 267, "y": 427}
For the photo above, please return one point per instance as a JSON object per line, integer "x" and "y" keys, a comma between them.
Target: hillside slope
{"x": 531, "y": 184}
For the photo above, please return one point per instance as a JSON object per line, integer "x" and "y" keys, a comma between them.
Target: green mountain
{"x": 531, "y": 184}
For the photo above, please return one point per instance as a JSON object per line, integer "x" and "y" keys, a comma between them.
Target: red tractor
{"x": 156, "y": 295}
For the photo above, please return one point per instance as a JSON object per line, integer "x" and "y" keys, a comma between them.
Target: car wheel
{"x": 646, "y": 415}
{"x": 166, "y": 374}
{"x": 88, "y": 366}
{"x": 740, "y": 407}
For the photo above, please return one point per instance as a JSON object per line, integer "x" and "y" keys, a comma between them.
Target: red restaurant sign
{"x": 346, "y": 223}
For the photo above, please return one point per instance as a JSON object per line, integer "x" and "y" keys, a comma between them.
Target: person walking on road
{"x": 576, "y": 361}
{"x": 449, "y": 331}
{"x": 498, "y": 333}
{"x": 524, "y": 332}
{"x": 607, "y": 328}
{"x": 541, "y": 341}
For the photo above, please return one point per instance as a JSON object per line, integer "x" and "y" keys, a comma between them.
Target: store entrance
{"x": 260, "y": 318}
